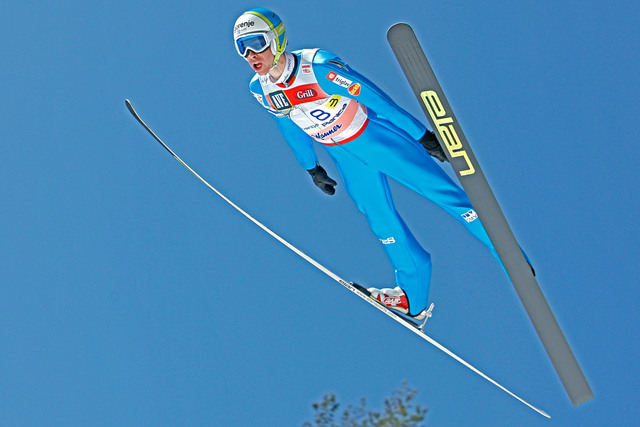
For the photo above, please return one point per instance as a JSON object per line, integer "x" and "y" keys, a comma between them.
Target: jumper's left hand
{"x": 432, "y": 146}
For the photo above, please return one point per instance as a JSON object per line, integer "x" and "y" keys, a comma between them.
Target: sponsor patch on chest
{"x": 279, "y": 100}
{"x": 287, "y": 98}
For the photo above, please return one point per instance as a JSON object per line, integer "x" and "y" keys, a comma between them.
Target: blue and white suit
{"x": 369, "y": 137}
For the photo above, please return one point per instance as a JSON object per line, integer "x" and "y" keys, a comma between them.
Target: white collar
{"x": 288, "y": 68}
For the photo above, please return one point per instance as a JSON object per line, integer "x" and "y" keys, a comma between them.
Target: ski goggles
{"x": 255, "y": 42}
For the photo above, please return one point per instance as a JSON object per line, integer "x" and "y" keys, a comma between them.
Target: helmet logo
{"x": 246, "y": 24}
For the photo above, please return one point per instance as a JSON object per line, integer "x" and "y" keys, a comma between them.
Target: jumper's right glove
{"x": 322, "y": 180}
{"x": 432, "y": 146}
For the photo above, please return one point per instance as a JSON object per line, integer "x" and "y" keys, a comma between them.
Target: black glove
{"x": 322, "y": 180}
{"x": 432, "y": 146}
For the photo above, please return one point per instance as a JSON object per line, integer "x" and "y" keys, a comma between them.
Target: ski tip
{"x": 399, "y": 29}
{"x": 130, "y": 107}
{"x": 400, "y": 25}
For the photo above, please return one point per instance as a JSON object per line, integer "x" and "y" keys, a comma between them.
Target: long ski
{"x": 436, "y": 107}
{"x": 353, "y": 287}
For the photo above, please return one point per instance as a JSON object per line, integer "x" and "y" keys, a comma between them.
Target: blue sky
{"x": 132, "y": 295}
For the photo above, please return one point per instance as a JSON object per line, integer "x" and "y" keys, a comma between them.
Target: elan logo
{"x": 444, "y": 124}
{"x": 388, "y": 241}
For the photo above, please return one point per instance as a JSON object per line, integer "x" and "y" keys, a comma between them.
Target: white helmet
{"x": 256, "y": 30}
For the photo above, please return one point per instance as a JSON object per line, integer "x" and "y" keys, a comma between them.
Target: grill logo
{"x": 307, "y": 93}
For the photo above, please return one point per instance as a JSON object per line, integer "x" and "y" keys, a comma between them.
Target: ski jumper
{"x": 369, "y": 137}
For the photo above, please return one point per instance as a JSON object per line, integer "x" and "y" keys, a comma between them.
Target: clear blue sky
{"x": 132, "y": 295}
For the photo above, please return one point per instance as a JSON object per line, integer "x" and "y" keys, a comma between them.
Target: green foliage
{"x": 399, "y": 411}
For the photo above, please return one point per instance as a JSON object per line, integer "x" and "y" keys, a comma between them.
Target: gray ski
{"x": 432, "y": 99}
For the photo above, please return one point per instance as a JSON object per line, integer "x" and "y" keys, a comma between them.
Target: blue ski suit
{"x": 369, "y": 137}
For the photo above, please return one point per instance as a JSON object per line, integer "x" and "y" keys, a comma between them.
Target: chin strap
{"x": 275, "y": 43}
{"x": 276, "y": 54}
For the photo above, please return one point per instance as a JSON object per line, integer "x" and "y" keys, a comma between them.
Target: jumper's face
{"x": 260, "y": 62}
